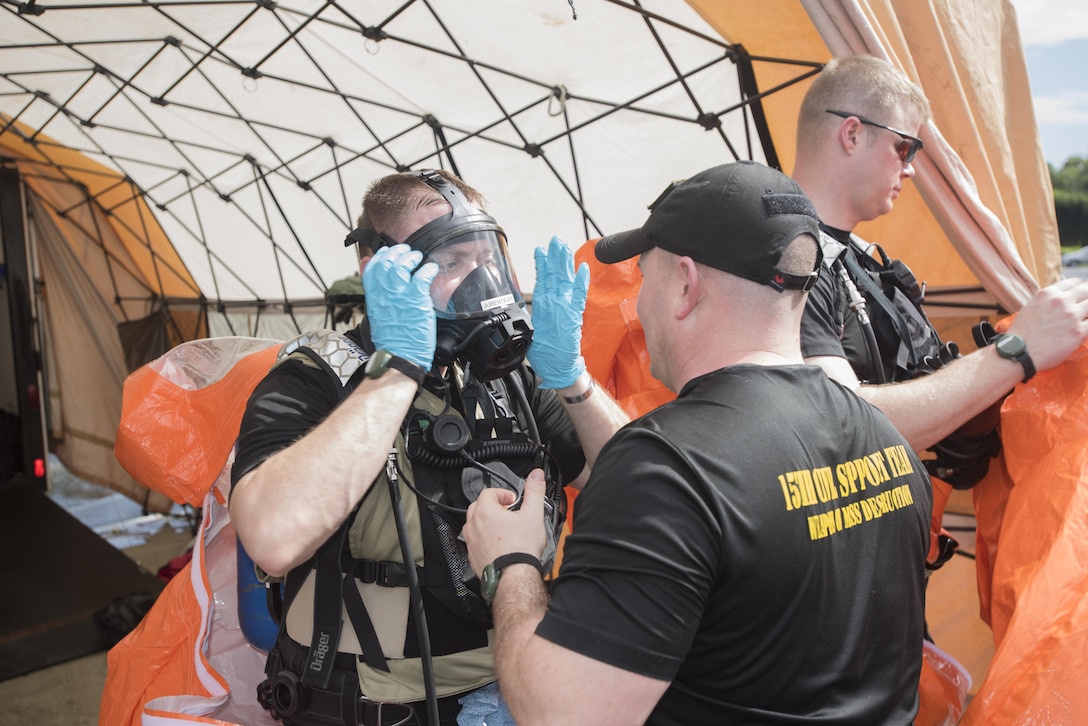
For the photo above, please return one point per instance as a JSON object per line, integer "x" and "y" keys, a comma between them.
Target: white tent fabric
{"x": 253, "y": 129}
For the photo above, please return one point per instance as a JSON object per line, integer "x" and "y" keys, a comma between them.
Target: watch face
{"x": 378, "y": 363}
{"x": 1010, "y": 346}
{"x": 489, "y": 582}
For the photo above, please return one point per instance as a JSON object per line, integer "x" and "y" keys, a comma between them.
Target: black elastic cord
{"x": 415, "y": 592}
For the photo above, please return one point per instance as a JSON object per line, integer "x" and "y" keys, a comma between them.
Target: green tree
{"x": 1071, "y": 201}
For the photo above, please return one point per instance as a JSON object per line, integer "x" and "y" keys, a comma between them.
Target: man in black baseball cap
{"x": 736, "y": 217}
{"x": 751, "y": 552}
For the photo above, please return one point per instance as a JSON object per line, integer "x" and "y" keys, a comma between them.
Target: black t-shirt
{"x": 296, "y": 396}
{"x": 759, "y": 542}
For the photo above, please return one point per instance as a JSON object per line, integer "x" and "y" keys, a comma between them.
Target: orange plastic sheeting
{"x": 613, "y": 343}
{"x": 942, "y": 688}
{"x": 1033, "y": 521}
{"x": 188, "y": 660}
{"x": 155, "y": 659}
{"x": 990, "y": 496}
{"x": 180, "y": 413}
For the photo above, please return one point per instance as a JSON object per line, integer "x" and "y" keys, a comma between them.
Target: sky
{"x": 1054, "y": 34}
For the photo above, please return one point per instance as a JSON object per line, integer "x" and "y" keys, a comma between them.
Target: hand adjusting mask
{"x": 481, "y": 312}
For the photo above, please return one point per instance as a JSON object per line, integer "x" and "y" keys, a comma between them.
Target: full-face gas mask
{"x": 481, "y": 313}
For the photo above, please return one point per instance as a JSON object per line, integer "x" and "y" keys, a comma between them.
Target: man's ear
{"x": 849, "y": 135}
{"x": 690, "y": 286}
{"x": 365, "y": 253}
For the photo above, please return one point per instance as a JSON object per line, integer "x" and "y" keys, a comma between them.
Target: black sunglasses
{"x": 907, "y": 148}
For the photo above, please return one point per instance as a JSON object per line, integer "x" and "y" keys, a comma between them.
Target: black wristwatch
{"x": 1013, "y": 347}
{"x": 489, "y": 580}
{"x": 382, "y": 360}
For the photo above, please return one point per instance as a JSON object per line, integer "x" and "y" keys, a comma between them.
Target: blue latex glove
{"x": 398, "y": 304}
{"x": 559, "y": 300}
{"x": 484, "y": 706}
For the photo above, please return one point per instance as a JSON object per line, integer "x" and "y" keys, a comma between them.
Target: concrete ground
{"x": 67, "y": 694}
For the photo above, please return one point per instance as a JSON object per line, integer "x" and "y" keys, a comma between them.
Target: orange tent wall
{"x": 968, "y": 58}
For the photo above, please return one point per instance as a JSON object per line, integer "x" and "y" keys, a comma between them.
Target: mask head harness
{"x": 481, "y": 313}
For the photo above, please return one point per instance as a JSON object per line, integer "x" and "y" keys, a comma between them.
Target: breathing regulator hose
{"x": 416, "y": 597}
{"x": 857, "y": 304}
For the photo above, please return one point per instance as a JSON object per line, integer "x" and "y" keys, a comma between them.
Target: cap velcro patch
{"x": 776, "y": 204}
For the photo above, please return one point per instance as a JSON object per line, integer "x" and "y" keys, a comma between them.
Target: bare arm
{"x": 533, "y": 671}
{"x": 542, "y": 682}
{"x": 1053, "y": 324}
{"x": 927, "y": 409}
{"x": 289, "y": 505}
{"x": 596, "y": 418}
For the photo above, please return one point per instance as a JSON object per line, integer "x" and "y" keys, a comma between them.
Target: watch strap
{"x": 1023, "y": 358}
{"x": 489, "y": 580}
{"x": 517, "y": 558}
{"x": 382, "y": 360}
{"x": 1028, "y": 365}
{"x": 413, "y": 370}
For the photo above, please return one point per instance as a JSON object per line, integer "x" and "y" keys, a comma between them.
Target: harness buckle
{"x": 383, "y": 574}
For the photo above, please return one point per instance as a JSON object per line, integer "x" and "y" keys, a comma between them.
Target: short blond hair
{"x": 859, "y": 84}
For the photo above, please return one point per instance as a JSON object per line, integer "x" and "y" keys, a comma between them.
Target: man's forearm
{"x": 595, "y": 414}
{"x": 927, "y": 409}
{"x": 289, "y": 505}
{"x": 518, "y": 608}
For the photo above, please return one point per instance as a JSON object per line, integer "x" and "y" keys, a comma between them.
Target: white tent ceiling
{"x": 254, "y": 128}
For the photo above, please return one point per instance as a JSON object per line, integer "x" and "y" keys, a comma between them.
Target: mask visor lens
{"x": 474, "y": 278}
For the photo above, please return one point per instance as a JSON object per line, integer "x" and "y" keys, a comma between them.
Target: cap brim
{"x": 621, "y": 246}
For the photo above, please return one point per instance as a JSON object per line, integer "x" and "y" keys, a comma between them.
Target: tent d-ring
{"x": 558, "y": 93}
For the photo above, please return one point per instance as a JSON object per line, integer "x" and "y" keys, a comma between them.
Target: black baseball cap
{"x": 736, "y": 217}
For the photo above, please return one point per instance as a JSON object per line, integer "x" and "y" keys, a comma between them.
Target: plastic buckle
{"x": 383, "y": 574}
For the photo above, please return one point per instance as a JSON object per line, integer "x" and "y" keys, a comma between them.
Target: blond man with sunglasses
{"x": 857, "y": 138}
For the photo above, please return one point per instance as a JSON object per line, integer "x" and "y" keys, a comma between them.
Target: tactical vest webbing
{"x": 909, "y": 345}
{"x": 370, "y": 584}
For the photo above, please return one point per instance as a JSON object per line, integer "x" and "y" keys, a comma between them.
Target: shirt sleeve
{"x": 640, "y": 562}
{"x": 556, "y": 429}
{"x": 821, "y": 331}
{"x": 290, "y": 401}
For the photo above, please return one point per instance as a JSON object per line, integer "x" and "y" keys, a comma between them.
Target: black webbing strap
{"x": 862, "y": 278}
{"x": 326, "y": 630}
{"x": 394, "y": 574}
{"x": 331, "y": 587}
{"x": 363, "y": 625}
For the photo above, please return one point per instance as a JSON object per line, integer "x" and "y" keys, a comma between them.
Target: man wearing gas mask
{"x": 360, "y": 452}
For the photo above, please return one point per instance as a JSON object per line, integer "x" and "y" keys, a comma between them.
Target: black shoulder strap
{"x": 863, "y": 279}
{"x": 331, "y": 588}
{"x": 326, "y": 631}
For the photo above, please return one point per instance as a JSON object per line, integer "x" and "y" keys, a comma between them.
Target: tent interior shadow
{"x": 60, "y": 573}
